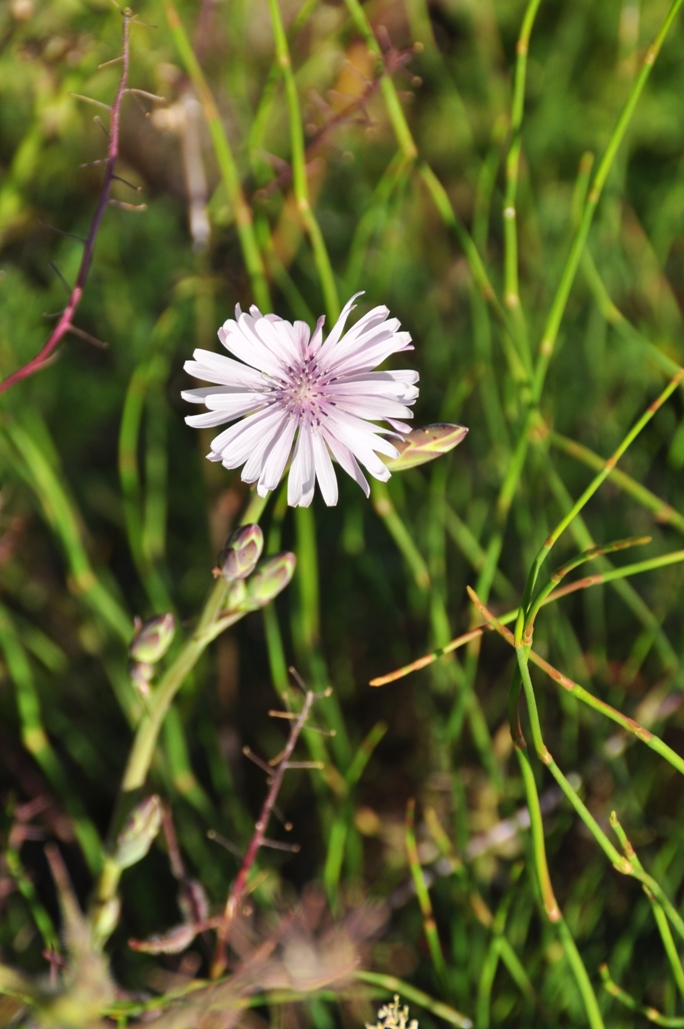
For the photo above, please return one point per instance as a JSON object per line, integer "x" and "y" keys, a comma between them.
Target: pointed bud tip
{"x": 425, "y": 444}
{"x": 271, "y": 578}
{"x": 241, "y": 552}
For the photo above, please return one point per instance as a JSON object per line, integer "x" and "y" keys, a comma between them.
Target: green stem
{"x": 550, "y": 904}
{"x": 429, "y": 924}
{"x": 648, "y": 1012}
{"x": 62, "y": 515}
{"x": 545, "y": 757}
{"x": 661, "y": 510}
{"x": 581, "y": 976}
{"x": 590, "y": 554}
{"x": 415, "y": 996}
{"x": 511, "y": 286}
{"x": 226, "y": 161}
{"x": 555, "y": 316}
{"x": 140, "y": 757}
{"x": 437, "y": 191}
{"x": 669, "y": 945}
{"x": 382, "y": 502}
{"x": 37, "y": 743}
{"x": 626, "y": 723}
{"x": 300, "y": 182}
{"x": 551, "y": 908}
{"x": 589, "y": 492}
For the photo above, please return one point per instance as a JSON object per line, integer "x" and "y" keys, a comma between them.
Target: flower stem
{"x": 226, "y": 161}
{"x": 553, "y": 322}
{"x": 300, "y": 182}
{"x": 511, "y": 287}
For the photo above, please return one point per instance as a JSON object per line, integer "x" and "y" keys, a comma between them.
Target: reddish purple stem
{"x": 65, "y": 321}
{"x": 237, "y": 893}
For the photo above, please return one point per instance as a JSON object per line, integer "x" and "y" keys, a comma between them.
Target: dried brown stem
{"x": 259, "y": 839}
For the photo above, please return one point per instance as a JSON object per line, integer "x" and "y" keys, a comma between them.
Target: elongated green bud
{"x": 425, "y": 444}
{"x": 152, "y": 639}
{"x": 270, "y": 579}
{"x": 137, "y": 835}
{"x": 239, "y": 556}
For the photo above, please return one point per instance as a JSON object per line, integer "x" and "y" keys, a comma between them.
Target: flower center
{"x": 304, "y": 392}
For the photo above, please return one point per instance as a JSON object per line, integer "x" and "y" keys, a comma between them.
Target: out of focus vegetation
{"x": 109, "y": 509}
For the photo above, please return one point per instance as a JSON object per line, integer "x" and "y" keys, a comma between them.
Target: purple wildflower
{"x": 293, "y": 389}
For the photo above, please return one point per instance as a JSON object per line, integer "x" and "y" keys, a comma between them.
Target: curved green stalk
{"x": 588, "y": 493}
{"x": 429, "y": 924}
{"x": 37, "y": 743}
{"x": 648, "y": 1012}
{"x": 661, "y": 510}
{"x": 136, "y": 507}
{"x": 415, "y": 996}
{"x": 511, "y": 287}
{"x": 553, "y": 322}
{"x": 60, "y": 513}
{"x": 553, "y": 912}
{"x": 226, "y": 161}
{"x": 300, "y": 182}
{"x": 439, "y": 195}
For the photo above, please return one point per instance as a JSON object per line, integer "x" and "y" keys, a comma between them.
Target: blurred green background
{"x": 109, "y": 509}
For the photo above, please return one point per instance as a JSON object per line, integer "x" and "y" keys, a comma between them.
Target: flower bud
{"x": 137, "y": 835}
{"x": 153, "y": 639}
{"x": 425, "y": 444}
{"x": 270, "y": 579}
{"x": 239, "y": 556}
{"x": 141, "y": 675}
{"x": 236, "y": 597}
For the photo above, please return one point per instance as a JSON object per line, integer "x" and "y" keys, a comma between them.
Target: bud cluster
{"x": 252, "y": 585}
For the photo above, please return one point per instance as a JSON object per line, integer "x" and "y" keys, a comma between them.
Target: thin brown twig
{"x": 259, "y": 839}
{"x": 64, "y": 325}
{"x": 393, "y": 60}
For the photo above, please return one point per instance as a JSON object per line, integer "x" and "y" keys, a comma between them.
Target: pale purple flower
{"x": 293, "y": 389}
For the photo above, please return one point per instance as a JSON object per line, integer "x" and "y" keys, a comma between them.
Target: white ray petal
{"x": 276, "y": 459}
{"x": 224, "y": 371}
{"x": 325, "y": 473}
{"x": 235, "y": 443}
{"x": 301, "y": 480}
{"x": 237, "y": 404}
{"x": 337, "y": 328}
{"x": 208, "y": 420}
{"x": 243, "y": 342}
{"x": 369, "y": 323}
{"x": 372, "y": 407}
{"x": 407, "y": 376}
{"x": 346, "y": 460}
{"x": 371, "y": 355}
{"x": 255, "y": 462}
{"x": 315, "y": 341}
{"x": 348, "y": 428}
{"x": 280, "y": 339}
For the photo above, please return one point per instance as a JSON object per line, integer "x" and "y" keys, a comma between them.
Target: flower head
{"x": 291, "y": 389}
{"x": 392, "y": 1016}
